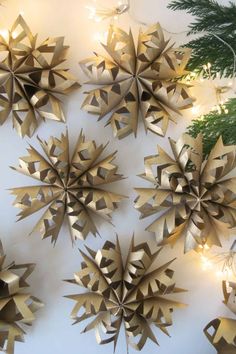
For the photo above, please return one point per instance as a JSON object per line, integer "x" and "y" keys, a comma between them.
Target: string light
{"x": 226, "y": 260}
{"x": 196, "y": 110}
{"x": 206, "y": 263}
{"x": 14, "y": 34}
{"x": 4, "y": 33}
{"x": 101, "y": 37}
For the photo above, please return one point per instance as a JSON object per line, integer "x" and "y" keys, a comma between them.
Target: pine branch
{"x": 215, "y": 19}
{"x": 214, "y": 125}
{"x": 209, "y": 49}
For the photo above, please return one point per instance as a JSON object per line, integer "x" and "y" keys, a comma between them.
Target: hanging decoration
{"x": 145, "y": 80}
{"x": 221, "y": 332}
{"x": 220, "y": 89}
{"x": 124, "y": 293}
{"x": 197, "y": 198}
{"x": 17, "y": 308}
{"x": 70, "y": 187}
{"x": 101, "y": 13}
{"x": 31, "y": 78}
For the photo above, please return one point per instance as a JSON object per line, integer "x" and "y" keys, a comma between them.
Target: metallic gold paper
{"x": 145, "y": 80}
{"x": 31, "y": 78}
{"x": 221, "y": 332}
{"x": 125, "y": 293}
{"x": 197, "y": 196}
{"x": 16, "y": 306}
{"x": 229, "y": 290}
{"x": 70, "y": 187}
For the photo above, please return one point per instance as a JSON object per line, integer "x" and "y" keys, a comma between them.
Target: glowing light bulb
{"x": 195, "y": 110}
{"x": 101, "y": 37}
{"x": 4, "y": 33}
{"x": 218, "y": 108}
{"x": 14, "y": 34}
{"x": 206, "y": 263}
{"x": 21, "y": 13}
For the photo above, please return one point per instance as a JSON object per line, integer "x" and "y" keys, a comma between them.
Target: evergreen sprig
{"x": 211, "y": 19}
{"x": 213, "y": 125}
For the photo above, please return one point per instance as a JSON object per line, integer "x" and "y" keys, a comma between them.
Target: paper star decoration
{"x": 71, "y": 187}
{"x": 16, "y": 306}
{"x": 32, "y": 78}
{"x": 124, "y": 293}
{"x": 145, "y": 80}
{"x": 221, "y": 332}
{"x": 197, "y": 199}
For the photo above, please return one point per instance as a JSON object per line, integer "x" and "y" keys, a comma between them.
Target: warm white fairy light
{"x": 101, "y": 36}
{"x": 14, "y": 34}
{"x": 226, "y": 261}
{"x": 206, "y": 263}
{"x": 4, "y": 33}
{"x": 195, "y": 110}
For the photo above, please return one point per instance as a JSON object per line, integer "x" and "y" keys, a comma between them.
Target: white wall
{"x": 52, "y": 333}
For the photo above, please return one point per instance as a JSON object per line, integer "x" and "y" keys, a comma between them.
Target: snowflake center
{"x": 198, "y": 202}
{"x": 66, "y": 188}
{"x": 11, "y": 72}
{"x": 135, "y": 76}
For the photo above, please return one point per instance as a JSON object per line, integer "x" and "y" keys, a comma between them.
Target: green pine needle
{"x": 211, "y": 19}
{"x": 213, "y": 125}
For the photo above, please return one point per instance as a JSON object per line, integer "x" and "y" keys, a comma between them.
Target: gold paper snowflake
{"x": 16, "y": 306}
{"x": 124, "y": 293}
{"x": 71, "y": 187}
{"x": 221, "y": 332}
{"x": 196, "y": 198}
{"x": 146, "y": 80}
{"x": 31, "y": 78}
